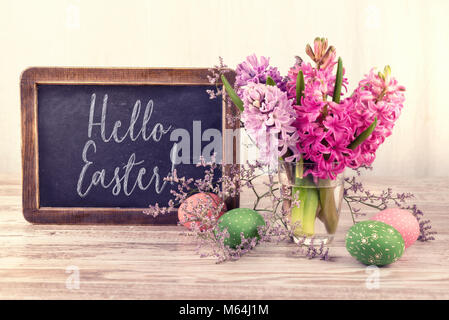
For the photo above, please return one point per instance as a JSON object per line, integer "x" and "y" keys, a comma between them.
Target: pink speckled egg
{"x": 195, "y": 203}
{"x": 401, "y": 220}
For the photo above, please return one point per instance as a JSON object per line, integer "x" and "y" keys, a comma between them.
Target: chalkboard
{"x": 97, "y": 143}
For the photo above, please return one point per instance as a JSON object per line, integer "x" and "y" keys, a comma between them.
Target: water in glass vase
{"x": 313, "y": 205}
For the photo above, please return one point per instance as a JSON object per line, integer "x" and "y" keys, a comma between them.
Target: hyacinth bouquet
{"x": 313, "y": 133}
{"x": 312, "y": 129}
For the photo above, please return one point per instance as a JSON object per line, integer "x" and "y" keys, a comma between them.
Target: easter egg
{"x": 374, "y": 243}
{"x": 203, "y": 204}
{"x": 240, "y": 220}
{"x": 401, "y": 220}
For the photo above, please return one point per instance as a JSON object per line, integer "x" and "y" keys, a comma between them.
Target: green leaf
{"x": 232, "y": 94}
{"x": 270, "y": 81}
{"x": 338, "y": 80}
{"x": 363, "y": 136}
{"x": 299, "y": 87}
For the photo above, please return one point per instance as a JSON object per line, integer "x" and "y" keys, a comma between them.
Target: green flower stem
{"x": 305, "y": 212}
{"x": 359, "y": 200}
{"x": 260, "y": 197}
{"x": 286, "y": 203}
{"x": 350, "y": 210}
{"x": 328, "y": 211}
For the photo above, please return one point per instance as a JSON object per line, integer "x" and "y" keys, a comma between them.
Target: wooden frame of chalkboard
{"x": 32, "y": 77}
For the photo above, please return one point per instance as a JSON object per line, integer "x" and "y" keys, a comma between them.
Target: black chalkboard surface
{"x": 64, "y": 138}
{"x": 104, "y": 147}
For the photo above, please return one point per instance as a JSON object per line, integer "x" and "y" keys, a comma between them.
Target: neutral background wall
{"x": 411, "y": 36}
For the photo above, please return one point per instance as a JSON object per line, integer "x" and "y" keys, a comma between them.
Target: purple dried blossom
{"x": 311, "y": 251}
{"x": 214, "y": 78}
{"x": 356, "y": 194}
{"x": 210, "y": 239}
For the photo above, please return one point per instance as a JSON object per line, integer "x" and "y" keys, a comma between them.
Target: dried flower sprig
{"x": 210, "y": 239}
{"x": 356, "y": 194}
{"x": 214, "y": 77}
{"x": 311, "y": 251}
{"x": 204, "y": 215}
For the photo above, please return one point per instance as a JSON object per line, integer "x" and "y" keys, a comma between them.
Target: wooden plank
{"x": 159, "y": 262}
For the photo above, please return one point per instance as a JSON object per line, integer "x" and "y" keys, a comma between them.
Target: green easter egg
{"x": 374, "y": 243}
{"x": 240, "y": 220}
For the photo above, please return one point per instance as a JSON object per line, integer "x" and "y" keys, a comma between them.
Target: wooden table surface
{"x": 157, "y": 262}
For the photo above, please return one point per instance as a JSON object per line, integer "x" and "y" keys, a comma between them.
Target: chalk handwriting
{"x": 120, "y": 179}
{"x": 156, "y": 134}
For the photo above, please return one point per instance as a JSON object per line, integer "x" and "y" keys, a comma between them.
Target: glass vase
{"x": 313, "y": 205}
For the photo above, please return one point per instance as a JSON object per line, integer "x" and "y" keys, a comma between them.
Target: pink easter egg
{"x": 401, "y": 220}
{"x": 195, "y": 202}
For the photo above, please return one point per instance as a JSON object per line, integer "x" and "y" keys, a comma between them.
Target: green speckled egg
{"x": 374, "y": 243}
{"x": 240, "y": 220}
